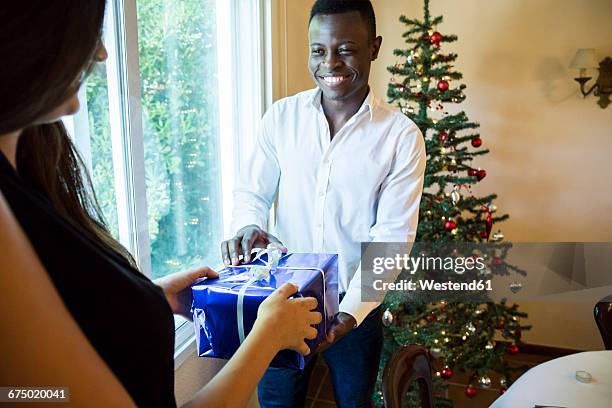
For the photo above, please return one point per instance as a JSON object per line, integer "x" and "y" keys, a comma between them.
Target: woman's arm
{"x": 281, "y": 324}
{"x": 41, "y": 344}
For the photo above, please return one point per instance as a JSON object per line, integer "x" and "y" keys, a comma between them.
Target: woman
{"x": 77, "y": 313}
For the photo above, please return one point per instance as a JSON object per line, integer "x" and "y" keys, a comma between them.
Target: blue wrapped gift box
{"x": 224, "y": 309}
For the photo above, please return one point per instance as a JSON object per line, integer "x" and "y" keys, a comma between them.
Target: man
{"x": 347, "y": 168}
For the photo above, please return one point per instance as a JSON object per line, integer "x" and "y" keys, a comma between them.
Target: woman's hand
{"x": 287, "y": 322}
{"x": 177, "y": 288}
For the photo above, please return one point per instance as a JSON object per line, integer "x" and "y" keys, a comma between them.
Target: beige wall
{"x": 550, "y": 160}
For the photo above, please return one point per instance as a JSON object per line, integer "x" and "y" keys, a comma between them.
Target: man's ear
{"x": 376, "y": 47}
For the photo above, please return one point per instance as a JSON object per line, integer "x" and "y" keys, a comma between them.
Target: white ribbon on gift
{"x": 262, "y": 273}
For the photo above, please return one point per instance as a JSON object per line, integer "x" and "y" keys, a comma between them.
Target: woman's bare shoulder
{"x": 41, "y": 342}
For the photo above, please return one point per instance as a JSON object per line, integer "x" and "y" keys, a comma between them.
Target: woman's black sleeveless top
{"x": 123, "y": 314}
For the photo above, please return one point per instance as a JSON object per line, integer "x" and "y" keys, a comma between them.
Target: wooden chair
{"x": 603, "y": 318}
{"x": 406, "y": 365}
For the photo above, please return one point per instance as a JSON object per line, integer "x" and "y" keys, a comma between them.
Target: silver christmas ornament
{"x": 486, "y": 271}
{"x": 515, "y": 287}
{"x": 455, "y": 197}
{"x": 387, "y": 318}
{"x": 492, "y": 207}
{"x": 484, "y": 381}
{"x": 498, "y": 236}
{"x": 503, "y": 382}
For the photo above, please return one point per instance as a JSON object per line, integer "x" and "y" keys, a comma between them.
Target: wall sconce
{"x": 585, "y": 59}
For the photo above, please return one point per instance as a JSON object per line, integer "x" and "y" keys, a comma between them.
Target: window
{"x": 177, "y": 44}
{"x": 160, "y": 120}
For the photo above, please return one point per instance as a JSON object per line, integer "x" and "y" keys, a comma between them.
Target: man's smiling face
{"x": 341, "y": 52}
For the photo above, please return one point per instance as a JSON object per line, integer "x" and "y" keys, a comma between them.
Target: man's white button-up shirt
{"x": 364, "y": 185}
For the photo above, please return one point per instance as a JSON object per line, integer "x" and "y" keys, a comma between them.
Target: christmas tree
{"x": 470, "y": 336}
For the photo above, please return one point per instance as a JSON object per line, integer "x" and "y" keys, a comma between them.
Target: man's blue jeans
{"x": 353, "y": 365}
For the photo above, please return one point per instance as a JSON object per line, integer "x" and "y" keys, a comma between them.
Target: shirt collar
{"x": 370, "y": 103}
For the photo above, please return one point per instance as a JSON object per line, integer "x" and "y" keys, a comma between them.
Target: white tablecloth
{"x": 554, "y": 383}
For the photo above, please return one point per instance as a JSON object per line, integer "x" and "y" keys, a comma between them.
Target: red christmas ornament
{"x": 512, "y": 349}
{"x": 472, "y": 172}
{"x": 435, "y": 38}
{"x": 442, "y": 136}
{"x": 483, "y": 234}
{"x": 446, "y": 373}
{"x": 442, "y": 85}
{"x": 501, "y": 324}
{"x": 477, "y": 142}
{"x": 481, "y": 174}
{"x": 497, "y": 261}
{"x": 470, "y": 391}
{"x": 450, "y": 225}
{"x": 489, "y": 222}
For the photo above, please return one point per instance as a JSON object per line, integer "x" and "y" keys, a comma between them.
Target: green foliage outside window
{"x": 178, "y": 60}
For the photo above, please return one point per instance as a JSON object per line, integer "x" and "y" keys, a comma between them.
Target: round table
{"x": 554, "y": 383}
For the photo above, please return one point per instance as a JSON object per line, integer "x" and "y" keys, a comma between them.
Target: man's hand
{"x": 177, "y": 288}
{"x": 342, "y": 324}
{"x": 246, "y": 238}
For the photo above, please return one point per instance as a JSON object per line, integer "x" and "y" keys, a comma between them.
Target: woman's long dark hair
{"x": 46, "y": 47}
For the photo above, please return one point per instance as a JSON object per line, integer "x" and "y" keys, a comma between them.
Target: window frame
{"x": 241, "y": 28}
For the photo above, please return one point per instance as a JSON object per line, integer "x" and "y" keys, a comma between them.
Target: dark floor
{"x": 320, "y": 392}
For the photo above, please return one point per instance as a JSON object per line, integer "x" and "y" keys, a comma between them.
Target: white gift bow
{"x": 262, "y": 272}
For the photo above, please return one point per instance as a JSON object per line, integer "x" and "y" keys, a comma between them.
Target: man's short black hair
{"x": 364, "y": 7}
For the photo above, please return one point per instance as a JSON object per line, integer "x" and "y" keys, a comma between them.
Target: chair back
{"x": 406, "y": 365}
{"x": 603, "y": 318}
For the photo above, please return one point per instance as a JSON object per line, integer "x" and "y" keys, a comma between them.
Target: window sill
{"x": 183, "y": 352}
{"x": 184, "y": 341}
